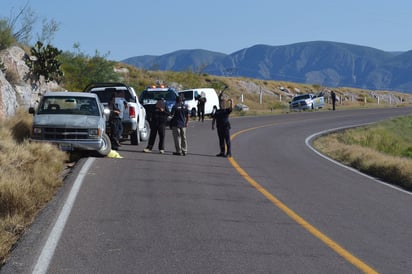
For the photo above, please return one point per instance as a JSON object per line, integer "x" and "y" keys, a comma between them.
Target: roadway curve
{"x": 275, "y": 207}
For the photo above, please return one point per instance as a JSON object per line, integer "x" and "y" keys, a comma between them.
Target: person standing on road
{"x": 121, "y": 105}
{"x": 115, "y": 122}
{"x": 158, "y": 122}
{"x": 333, "y": 95}
{"x": 178, "y": 123}
{"x": 221, "y": 119}
{"x": 201, "y": 101}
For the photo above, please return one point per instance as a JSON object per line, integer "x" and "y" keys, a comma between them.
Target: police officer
{"x": 221, "y": 120}
{"x": 158, "y": 122}
{"x": 201, "y": 102}
{"x": 333, "y": 95}
{"x": 180, "y": 119}
{"x": 115, "y": 122}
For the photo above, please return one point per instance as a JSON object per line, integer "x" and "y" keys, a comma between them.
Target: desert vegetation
{"x": 30, "y": 175}
{"x": 381, "y": 150}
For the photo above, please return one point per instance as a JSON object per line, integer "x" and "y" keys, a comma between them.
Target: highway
{"x": 275, "y": 207}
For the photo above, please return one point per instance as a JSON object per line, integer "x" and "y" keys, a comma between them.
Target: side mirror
{"x": 31, "y": 110}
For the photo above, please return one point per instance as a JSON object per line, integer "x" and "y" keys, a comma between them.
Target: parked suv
{"x": 150, "y": 95}
{"x": 135, "y": 125}
{"x": 72, "y": 121}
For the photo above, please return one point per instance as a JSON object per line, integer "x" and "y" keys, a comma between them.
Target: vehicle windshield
{"x": 301, "y": 97}
{"x": 105, "y": 95}
{"x": 188, "y": 95}
{"x": 68, "y": 105}
{"x": 151, "y": 96}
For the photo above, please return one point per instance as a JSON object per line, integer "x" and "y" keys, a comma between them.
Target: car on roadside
{"x": 135, "y": 125}
{"x": 307, "y": 101}
{"x": 72, "y": 121}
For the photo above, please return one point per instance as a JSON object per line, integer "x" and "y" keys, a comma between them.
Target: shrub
{"x": 6, "y": 35}
{"x": 45, "y": 62}
{"x": 81, "y": 70}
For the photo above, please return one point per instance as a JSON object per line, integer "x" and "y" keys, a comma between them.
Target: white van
{"x": 190, "y": 96}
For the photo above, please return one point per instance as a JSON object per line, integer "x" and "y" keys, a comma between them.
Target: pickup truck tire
{"x": 144, "y": 133}
{"x": 106, "y": 148}
{"x": 134, "y": 138}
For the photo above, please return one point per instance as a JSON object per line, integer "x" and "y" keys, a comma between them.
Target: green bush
{"x": 6, "y": 35}
{"x": 45, "y": 62}
{"x": 81, "y": 70}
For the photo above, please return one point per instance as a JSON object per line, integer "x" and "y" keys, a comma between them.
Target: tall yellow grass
{"x": 30, "y": 175}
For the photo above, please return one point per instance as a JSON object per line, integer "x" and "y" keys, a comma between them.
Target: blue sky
{"x": 128, "y": 28}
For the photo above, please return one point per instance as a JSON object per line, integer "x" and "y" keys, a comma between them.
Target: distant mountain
{"x": 181, "y": 60}
{"x": 324, "y": 63}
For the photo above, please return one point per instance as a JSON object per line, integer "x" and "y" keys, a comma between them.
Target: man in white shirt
{"x": 121, "y": 105}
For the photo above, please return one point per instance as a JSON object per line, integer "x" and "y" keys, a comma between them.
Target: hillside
{"x": 259, "y": 95}
{"x": 318, "y": 63}
{"x": 262, "y": 96}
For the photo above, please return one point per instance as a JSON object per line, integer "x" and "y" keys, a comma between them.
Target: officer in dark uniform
{"x": 115, "y": 122}
{"x": 221, "y": 119}
{"x": 158, "y": 122}
{"x": 333, "y": 95}
{"x": 201, "y": 101}
{"x": 178, "y": 124}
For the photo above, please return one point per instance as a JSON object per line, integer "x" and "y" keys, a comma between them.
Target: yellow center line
{"x": 302, "y": 222}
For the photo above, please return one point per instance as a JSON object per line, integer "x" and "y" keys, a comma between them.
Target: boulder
{"x": 21, "y": 93}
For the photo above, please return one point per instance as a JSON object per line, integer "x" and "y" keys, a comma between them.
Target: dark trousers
{"x": 224, "y": 140}
{"x": 154, "y": 130}
{"x": 115, "y": 131}
{"x": 201, "y": 113}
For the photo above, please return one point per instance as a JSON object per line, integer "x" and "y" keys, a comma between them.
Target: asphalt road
{"x": 275, "y": 207}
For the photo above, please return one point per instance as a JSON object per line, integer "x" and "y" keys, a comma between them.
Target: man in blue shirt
{"x": 180, "y": 119}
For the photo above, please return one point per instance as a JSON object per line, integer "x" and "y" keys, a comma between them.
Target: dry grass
{"x": 383, "y": 155}
{"x": 30, "y": 175}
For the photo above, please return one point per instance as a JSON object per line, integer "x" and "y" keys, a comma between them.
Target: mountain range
{"x": 324, "y": 63}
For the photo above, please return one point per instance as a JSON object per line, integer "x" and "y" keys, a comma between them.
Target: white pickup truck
{"x": 135, "y": 126}
{"x": 307, "y": 102}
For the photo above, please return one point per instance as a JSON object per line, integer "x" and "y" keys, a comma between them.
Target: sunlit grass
{"x": 382, "y": 150}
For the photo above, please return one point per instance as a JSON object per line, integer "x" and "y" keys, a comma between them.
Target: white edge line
{"x": 48, "y": 250}
{"x": 313, "y": 136}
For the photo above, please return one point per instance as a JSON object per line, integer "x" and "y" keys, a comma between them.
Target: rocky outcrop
{"x": 8, "y": 100}
{"x": 16, "y": 91}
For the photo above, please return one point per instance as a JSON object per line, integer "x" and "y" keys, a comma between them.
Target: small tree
{"x": 81, "y": 70}
{"x": 44, "y": 62}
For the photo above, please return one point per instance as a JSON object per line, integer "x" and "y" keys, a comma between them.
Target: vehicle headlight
{"x": 37, "y": 130}
{"x": 94, "y": 132}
